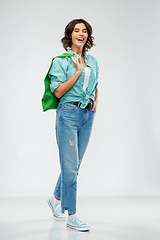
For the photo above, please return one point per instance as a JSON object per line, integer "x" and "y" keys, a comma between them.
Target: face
{"x": 79, "y": 35}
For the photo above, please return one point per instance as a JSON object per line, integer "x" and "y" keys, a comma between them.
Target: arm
{"x": 95, "y": 103}
{"x": 66, "y": 86}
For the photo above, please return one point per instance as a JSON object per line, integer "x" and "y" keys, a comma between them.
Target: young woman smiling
{"x": 74, "y": 81}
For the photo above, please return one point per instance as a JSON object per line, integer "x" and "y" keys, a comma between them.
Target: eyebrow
{"x": 79, "y": 28}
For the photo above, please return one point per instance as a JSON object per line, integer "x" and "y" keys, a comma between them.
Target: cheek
{"x": 86, "y": 37}
{"x": 73, "y": 36}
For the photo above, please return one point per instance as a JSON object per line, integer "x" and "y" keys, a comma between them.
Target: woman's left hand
{"x": 94, "y": 108}
{"x": 95, "y": 103}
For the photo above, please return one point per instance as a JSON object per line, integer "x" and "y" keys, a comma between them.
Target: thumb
{"x": 79, "y": 60}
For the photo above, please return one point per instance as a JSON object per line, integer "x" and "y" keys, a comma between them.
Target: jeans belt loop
{"x": 79, "y": 104}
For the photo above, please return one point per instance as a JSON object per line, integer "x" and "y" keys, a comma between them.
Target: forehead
{"x": 80, "y": 26}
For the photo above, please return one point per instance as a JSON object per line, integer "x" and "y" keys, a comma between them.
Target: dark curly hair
{"x": 67, "y": 39}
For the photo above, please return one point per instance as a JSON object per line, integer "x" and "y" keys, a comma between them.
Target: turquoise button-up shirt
{"x": 63, "y": 68}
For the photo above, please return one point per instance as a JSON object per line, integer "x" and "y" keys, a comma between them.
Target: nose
{"x": 81, "y": 33}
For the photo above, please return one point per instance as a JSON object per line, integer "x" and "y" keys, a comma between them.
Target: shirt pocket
{"x": 71, "y": 70}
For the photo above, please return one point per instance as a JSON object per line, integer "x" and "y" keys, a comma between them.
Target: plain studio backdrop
{"x": 123, "y": 156}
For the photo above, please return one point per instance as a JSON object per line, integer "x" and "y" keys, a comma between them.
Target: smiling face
{"x": 79, "y": 36}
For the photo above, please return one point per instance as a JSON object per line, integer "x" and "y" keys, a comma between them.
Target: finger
{"x": 94, "y": 109}
{"x": 73, "y": 59}
{"x": 79, "y": 60}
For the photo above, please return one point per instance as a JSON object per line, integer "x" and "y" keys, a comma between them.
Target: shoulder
{"x": 90, "y": 57}
{"x": 92, "y": 60}
{"x": 59, "y": 65}
{"x": 61, "y": 62}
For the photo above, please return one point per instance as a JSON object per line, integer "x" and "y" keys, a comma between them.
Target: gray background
{"x": 123, "y": 157}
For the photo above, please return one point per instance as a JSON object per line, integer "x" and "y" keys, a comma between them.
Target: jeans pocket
{"x": 68, "y": 107}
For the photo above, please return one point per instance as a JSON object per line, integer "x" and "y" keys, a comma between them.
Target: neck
{"x": 77, "y": 50}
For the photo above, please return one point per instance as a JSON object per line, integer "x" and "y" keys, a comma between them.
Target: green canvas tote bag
{"x": 49, "y": 100}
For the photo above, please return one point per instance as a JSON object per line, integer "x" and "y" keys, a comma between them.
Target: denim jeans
{"x": 73, "y": 129}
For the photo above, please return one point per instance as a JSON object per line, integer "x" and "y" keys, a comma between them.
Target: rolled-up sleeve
{"x": 56, "y": 74}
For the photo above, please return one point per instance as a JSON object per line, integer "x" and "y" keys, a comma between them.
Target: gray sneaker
{"x": 76, "y": 223}
{"x": 56, "y": 209}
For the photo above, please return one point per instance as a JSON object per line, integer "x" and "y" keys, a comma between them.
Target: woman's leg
{"x": 84, "y": 134}
{"x": 66, "y": 132}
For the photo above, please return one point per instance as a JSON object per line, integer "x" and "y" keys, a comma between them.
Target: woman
{"x": 74, "y": 81}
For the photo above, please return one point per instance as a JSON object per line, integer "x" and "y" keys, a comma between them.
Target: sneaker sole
{"x": 57, "y": 218}
{"x": 81, "y": 229}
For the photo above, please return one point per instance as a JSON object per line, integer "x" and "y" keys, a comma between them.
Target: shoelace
{"x": 78, "y": 220}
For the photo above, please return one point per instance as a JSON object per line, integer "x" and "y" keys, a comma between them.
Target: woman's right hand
{"x": 77, "y": 64}
{"x": 66, "y": 86}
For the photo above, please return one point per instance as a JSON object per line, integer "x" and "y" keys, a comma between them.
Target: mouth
{"x": 80, "y": 39}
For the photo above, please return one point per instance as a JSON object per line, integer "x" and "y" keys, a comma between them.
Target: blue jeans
{"x": 73, "y": 129}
